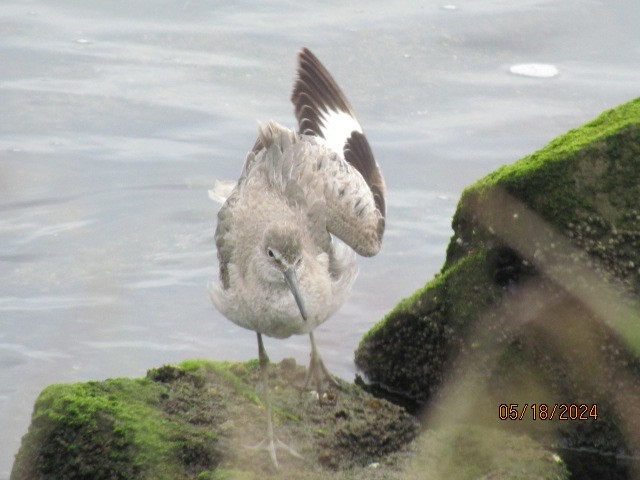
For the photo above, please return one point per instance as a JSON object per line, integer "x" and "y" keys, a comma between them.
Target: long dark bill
{"x": 292, "y": 282}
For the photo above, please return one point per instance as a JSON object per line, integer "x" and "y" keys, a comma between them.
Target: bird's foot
{"x": 317, "y": 375}
{"x": 270, "y": 445}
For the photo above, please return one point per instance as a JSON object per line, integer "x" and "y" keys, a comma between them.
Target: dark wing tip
{"x": 315, "y": 92}
{"x": 357, "y": 152}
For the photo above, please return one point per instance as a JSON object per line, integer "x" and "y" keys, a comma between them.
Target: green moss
{"x": 458, "y": 289}
{"x": 237, "y": 375}
{"x": 540, "y": 289}
{"x": 233, "y": 372}
{"x": 195, "y": 422}
{"x": 588, "y": 136}
{"x": 106, "y": 429}
{"x": 561, "y": 179}
{"x": 110, "y": 429}
{"x": 427, "y": 329}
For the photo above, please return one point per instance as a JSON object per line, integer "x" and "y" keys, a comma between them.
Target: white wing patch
{"x": 336, "y": 129}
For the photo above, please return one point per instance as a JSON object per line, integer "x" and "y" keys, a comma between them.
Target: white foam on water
{"x": 536, "y": 70}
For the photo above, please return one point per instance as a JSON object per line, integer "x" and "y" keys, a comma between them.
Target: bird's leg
{"x": 271, "y": 443}
{"x": 317, "y": 370}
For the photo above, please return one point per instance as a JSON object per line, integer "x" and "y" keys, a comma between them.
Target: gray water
{"x": 116, "y": 117}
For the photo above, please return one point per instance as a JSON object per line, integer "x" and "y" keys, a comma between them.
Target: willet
{"x": 305, "y": 203}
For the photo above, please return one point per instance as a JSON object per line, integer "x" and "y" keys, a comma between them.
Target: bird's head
{"x": 281, "y": 252}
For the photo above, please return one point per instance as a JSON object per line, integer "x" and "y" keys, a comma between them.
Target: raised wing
{"x": 323, "y": 111}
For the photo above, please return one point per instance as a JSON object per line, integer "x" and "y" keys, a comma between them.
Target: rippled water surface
{"x": 118, "y": 116}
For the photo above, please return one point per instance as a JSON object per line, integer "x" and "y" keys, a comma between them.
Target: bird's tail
{"x": 221, "y": 190}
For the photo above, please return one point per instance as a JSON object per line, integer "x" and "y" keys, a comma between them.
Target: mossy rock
{"x": 537, "y": 302}
{"x": 196, "y": 420}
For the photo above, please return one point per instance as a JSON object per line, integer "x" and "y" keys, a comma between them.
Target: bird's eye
{"x": 270, "y": 253}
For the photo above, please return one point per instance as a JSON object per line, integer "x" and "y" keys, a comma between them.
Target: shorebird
{"x": 306, "y": 203}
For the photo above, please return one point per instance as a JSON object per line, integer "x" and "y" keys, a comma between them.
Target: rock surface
{"x": 195, "y": 421}
{"x": 537, "y": 303}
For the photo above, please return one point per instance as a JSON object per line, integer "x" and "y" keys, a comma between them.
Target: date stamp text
{"x": 543, "y": 411}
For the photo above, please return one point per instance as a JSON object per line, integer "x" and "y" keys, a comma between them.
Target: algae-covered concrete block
{"x": 537, "y": 303}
